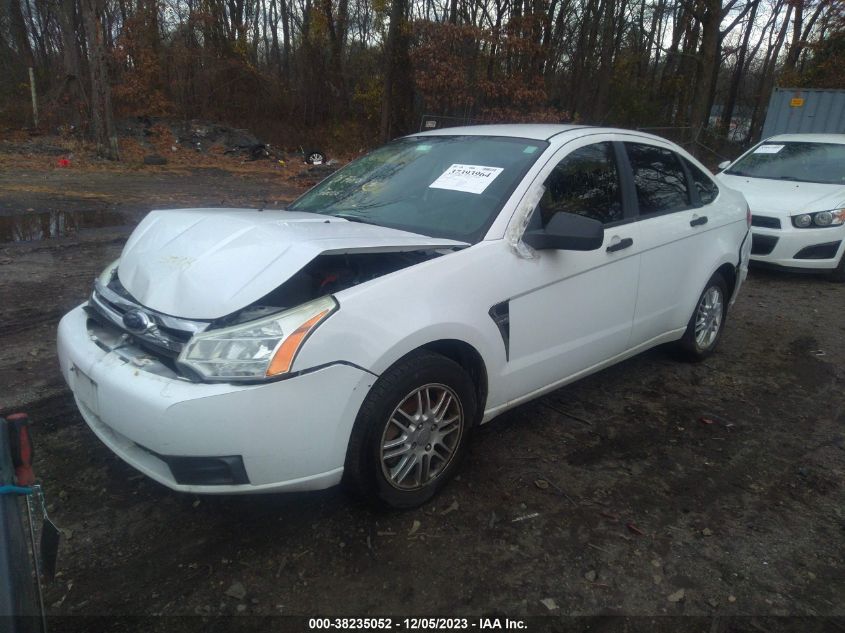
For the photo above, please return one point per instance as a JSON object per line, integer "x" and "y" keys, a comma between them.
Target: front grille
{"x": 165, "y": 336}
{"x": 765, "y": 221}
{"x": 819, "y": 251}
{"x": 762, "y": 244}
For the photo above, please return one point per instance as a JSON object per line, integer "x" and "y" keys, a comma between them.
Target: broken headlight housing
{"x": 255, "y": 350}
{"x": 106, "y": 276}
{"x": 819, "y": 219}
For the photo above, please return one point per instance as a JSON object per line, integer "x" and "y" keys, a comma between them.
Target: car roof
{"x": 536, "y": 131}
{"x": 808, "y": 138}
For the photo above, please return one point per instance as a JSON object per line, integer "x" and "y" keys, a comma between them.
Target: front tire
{"x": 411, "y": 432}
{"x": 705, "y": 326}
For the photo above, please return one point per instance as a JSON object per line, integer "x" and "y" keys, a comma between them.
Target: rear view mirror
{"x": 569, "y": 232}
{"x": 724, "y": 164}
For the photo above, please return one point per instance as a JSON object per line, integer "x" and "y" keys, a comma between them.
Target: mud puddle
{"x": 32, "y": 227}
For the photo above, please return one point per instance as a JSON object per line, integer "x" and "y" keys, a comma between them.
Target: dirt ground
{"x": 613, "y": 496}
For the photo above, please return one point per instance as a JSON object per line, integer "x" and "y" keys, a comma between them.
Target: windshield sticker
{"x": 469, "y": 178}
{"x": 768, "y": 149}
{"x": 530, "y": 149}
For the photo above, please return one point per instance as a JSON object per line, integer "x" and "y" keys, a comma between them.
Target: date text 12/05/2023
{"x": 416, "y": 624}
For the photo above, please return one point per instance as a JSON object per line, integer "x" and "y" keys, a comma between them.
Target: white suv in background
{"x": 423, "y": 289}
{"x": 795, "y": 186}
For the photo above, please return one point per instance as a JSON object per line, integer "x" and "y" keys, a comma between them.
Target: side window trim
{"x": 630, "y": 204}
{"x": 689, "y": 166}
{"x": 695, "y": 199}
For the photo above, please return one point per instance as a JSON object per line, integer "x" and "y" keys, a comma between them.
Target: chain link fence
{"x": 437, "y": 122}
{"x": 703, "y": 143}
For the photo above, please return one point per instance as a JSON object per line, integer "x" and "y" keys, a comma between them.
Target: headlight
{"x": 802, "y": 221}
{"x": 255, "y": 350}
{"x": 106, "y": 276}
{"x": 818, "y": 219}
{"x": 825, "y": 218}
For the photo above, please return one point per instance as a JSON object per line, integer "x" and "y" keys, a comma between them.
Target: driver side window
{"x": 586, "y": 183}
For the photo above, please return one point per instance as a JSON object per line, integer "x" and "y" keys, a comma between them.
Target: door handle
{"x": 618, "y": 246}
{"x": 698, "y": 221}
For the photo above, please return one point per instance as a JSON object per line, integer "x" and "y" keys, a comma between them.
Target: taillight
{"x": 748, "y": 216}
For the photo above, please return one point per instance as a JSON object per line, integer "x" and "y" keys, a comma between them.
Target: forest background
{"x": 349, "y": 74}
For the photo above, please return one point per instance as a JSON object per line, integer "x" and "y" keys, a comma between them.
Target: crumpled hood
{"x": 785, "y": 198}
{"x": 208, "y": 263}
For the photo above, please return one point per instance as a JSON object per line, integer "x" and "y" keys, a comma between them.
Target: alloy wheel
{"x": 708, "y": 318}
{"x": 421, "y": 437}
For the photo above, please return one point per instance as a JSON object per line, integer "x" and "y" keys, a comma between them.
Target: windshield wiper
{"x": 790, "y": 178}
{"x": 350, "y": 217}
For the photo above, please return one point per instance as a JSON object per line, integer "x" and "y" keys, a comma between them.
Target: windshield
{"x": 802, "y": 162}
{"x": 441, "y": 186}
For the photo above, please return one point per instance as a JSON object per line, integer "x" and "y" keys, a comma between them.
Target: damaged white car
{"x": 361, "y": 334}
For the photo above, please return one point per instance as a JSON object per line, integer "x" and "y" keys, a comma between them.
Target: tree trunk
{"x": 739, "y": 71}
{"x": 285, "y": 6}
{"x": 768, "y": 80}
{"x": 799, "y": 37}
{"x": 394, "y": 101}
{"x": 20, "y": 36}
{"x": 336, "y": 26}
{"x": 707, "y": 62}
{"x": 673, "y": 64}
{"x": 71, "y": 61}
{"x": 102, "y": 120}
{"x": 274, "y": 31}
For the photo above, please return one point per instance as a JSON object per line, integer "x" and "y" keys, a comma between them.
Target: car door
{"x": 575, "y": 309}
{"x": 672, "y": 227}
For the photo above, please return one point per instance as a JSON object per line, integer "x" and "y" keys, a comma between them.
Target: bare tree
{"x": 312, "y": 67}
{"x": 102, "y": 119}
{"x": 396, "y": 58}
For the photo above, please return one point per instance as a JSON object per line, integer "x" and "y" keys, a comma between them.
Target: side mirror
{"x": 567, "y": 232}
{"x": 724, "y": 164}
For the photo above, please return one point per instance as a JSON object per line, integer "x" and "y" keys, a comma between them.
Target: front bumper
{"x": 290, "y": 434}
{"x": 805, "y": 249}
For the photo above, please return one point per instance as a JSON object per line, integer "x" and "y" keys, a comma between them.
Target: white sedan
{"x": 795, "y": 186}
{"x": 361, "y": 334}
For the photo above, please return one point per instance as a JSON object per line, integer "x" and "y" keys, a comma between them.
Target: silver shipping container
{"x": 805, "y": 111}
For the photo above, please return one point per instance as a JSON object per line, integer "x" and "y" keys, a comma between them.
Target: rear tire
{"x": 707, "y": 322}
{"x": 411, "y": 432}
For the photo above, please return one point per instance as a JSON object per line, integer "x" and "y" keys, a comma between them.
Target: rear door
{"x": 675, "y": 216}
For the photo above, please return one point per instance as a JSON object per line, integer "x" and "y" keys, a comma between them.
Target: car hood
{"x": 784, "y": 197}
{"x": 208, "y": 263}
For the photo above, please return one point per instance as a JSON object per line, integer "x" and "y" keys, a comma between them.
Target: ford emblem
{"x": 136, "y": 321}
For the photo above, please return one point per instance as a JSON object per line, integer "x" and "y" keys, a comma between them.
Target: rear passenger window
{"x": 659, "y": 179}
{"x": 707, "y": 189}
{"x": 586, "y": 182}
